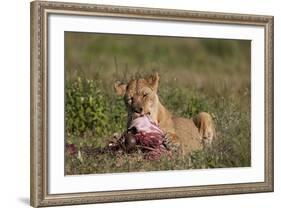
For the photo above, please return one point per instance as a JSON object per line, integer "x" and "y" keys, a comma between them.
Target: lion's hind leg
{"x": 206, "y": 128}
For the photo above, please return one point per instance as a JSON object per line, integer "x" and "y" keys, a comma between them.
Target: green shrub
{"x": 88, "y": 108}
{"x": 85, "y": 107}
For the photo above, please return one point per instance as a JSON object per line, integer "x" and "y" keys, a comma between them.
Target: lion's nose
{"x": 138, "y": 109}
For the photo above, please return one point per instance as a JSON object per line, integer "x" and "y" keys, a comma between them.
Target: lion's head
{"x": 140, "y": 96}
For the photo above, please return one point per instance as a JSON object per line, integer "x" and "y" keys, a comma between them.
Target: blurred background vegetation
{"x": 196, "y": 75}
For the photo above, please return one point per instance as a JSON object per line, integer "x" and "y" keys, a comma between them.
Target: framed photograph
{"x": 139, "y": 104}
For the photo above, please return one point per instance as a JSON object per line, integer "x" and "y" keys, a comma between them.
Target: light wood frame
{"x": 39, "y": 103}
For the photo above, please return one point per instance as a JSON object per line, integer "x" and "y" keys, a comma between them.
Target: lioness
{"x": 185, "y": 135}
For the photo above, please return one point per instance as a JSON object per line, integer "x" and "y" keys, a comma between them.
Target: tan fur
{"x": 140, "y": 96}
{"x": 206, "y": 127}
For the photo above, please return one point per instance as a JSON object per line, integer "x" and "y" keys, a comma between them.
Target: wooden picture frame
{"x": 40, "y": 11}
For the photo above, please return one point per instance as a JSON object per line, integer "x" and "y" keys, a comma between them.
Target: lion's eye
{"x": 130, "y": 99}
{"x": 145, "y": 94}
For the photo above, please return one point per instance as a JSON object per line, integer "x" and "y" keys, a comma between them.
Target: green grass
{"x": 195, "y": 75}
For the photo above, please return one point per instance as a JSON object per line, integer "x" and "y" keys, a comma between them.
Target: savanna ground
{"x": 195, "y": 75}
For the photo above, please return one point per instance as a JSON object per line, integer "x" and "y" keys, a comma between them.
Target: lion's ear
{"x": 120, "y": 88}
{"x": 153, "y": 80}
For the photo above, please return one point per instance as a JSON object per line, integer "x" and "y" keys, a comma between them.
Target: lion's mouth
{"x": 136, "y": 114}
